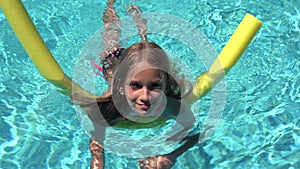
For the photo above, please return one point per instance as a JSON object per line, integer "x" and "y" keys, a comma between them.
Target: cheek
{"x": 157, "y": 94}
{"x": 131, "y": 94}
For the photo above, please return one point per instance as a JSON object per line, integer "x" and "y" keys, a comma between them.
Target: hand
{"x": 157, "y": 162}
{"x": 97, "y": 152}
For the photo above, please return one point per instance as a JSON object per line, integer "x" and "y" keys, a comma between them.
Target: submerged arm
{"x": 97, "y": 152}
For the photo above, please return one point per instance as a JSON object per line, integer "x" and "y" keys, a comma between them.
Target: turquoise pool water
{"x": 260, "y": 126}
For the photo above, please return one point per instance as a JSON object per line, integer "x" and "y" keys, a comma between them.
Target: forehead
{"x": 145, "y": 71}
{"x": 148, "y": 74}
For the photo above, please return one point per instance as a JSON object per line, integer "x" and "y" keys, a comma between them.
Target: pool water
{"x": 260, "y": 125}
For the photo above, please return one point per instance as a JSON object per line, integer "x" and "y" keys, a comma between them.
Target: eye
{"x": 135, "y": 85}
{"x": 155, "y": 85}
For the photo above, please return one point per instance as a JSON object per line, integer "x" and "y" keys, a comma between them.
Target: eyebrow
{"x": 156, "y": 80}
{"x": 139, "y": 82}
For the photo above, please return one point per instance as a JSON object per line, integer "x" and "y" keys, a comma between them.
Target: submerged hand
{"x": 97, "y": 152}
{"x": 157, "y": 162}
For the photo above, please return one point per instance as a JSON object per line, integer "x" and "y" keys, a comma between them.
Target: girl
{"x": 142, "y": 89}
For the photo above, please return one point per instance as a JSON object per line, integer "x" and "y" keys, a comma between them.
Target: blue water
{"x": 260, "y": 126}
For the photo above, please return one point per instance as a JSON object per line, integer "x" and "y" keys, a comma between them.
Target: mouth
{"x": 144, "y": 106}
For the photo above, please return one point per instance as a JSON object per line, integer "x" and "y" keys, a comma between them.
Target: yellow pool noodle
{"x": 229, "y": 55}
{"x": 41, "y": 56}
{"x": 36, "y": 48}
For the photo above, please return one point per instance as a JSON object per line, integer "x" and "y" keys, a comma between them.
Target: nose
{"x": 145, "y": 94}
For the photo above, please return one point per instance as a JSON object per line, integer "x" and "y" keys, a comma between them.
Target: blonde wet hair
{"x": 142, "y": 52}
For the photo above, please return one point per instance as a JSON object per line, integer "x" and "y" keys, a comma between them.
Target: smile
{"x": 144, "y": 106}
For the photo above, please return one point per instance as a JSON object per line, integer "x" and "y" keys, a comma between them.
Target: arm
{"x": 111, "y": 40}
{"x": 96, "y": 143}
{"x": 97, "y": 134}
{"x": 167, "y": 161}
{"x": 97, "y": 152}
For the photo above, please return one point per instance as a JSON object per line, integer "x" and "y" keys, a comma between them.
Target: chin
{"x": 146, "y": 113}
{"x": 143, "y": 112}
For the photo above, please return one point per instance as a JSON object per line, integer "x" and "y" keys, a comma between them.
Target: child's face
{"x": 144, "y": 90}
